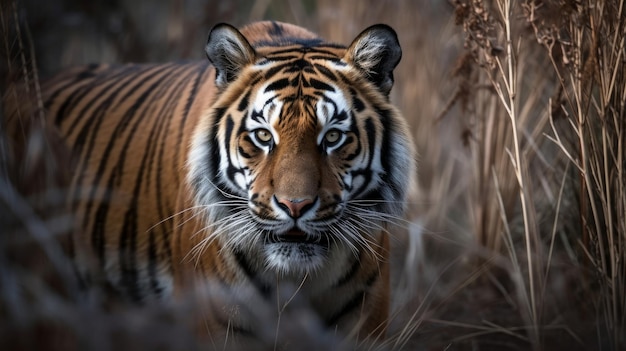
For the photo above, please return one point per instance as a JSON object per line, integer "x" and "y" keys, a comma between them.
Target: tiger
{"x": 280, "y": 158}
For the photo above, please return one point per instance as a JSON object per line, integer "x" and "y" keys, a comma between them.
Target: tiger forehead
{"x": 309, "y": 51}
{"x": 303, "y": 66}
{"x": 299, "y": 114}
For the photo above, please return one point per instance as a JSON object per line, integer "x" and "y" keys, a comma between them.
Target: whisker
{"x": 372, "y": 222}
{"x": 363, "y": 240}
{"x": 385, "y": 215}
{"x": 200, "y": 208}
{"x": 223, "y": 192}
{"x": 243, "y": 222}
{"x": 393, "y": 219}
{"x": 219, "y": 222}
{"x": 216, "y": 229}
{"x": 345, "y": 240}
{"x": 242, "y": 235}
{"x": 377, "y": 202}
{"x": 172, "y": 216}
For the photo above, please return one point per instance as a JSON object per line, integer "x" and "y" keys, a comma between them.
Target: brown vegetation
{"x": 516, "y": 237}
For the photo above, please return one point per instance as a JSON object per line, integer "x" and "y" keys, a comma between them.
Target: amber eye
{"x": 332, "y": 137}
{"x": 263, "y": 136}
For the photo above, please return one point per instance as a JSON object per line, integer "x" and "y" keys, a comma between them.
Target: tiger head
{"x": 302, "y": 157}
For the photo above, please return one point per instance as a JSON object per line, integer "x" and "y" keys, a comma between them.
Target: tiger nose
{"x": 295, "y": 207}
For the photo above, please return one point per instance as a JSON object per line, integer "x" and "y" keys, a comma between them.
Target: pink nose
{"x": 295, "y": 207}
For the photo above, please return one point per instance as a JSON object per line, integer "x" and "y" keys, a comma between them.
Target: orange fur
{"x": 135, "y": 128}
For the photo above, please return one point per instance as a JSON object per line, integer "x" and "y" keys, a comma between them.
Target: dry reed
{"x": 516, "y": 237}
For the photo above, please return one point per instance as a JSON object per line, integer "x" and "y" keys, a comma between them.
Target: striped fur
{"x": 278, "y": 159}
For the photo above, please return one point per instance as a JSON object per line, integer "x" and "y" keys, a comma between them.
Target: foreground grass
{"x": 516, "y": 237}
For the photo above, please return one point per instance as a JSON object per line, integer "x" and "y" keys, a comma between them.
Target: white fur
{"x": 368, "y": 52}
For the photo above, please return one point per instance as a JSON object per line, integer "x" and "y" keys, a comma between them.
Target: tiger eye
{"x": 332, "y": 136}
{"x": 263, "y": 135}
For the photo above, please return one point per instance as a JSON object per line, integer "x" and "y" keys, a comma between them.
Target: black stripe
{"x": 243, "y": 152}
{"x": 128, "y": 255}
{"x": 153, "y": 257}
{"x": 102, "y": 210}
{"x": 212, "y": 143}
{"x": 370, "y": 131}
{"x": 375, "y": 196}
{"x": 88, "y": 132}
{"x": 255, "y": 79}
{"x": 276, "y": 29}
{"x": 283, "y": 41}
{"x": 341, "y": 116}
{"x": 69, "y": 102}
{"x": 286, "y": 53}
{"x": 128, "y": 237}
{"x": 257, "y": 116}
{"x": 270, "y": 73}
{"x": 351, "y": 273}
{"x": 318, "y": 49}
{"x": 245, "y": 266}
{"x": 98, "y": 90}
{"x": 200, "y": 78}
{"x": 357, "y": 135}
{"x": 162, "y": 118}
{"x": 344, "y": 79}
{"x": 325, "y": 71}
{"x": 99, "y": 102}
{"x": 385, "y": 152}
{"x": 99, "y": 228}
{"x": 327, "y": 56}
{"x": 231, "y": 171}
{"x": 161, "y": 126}
{"x": 357, "y": 103}
{"x": 220, "y": 273}
{"x": 278, "y": 85}
{"x": 243, "y": 103}
{"x": 70, "y": 82}
{"x": 89, "y": 71}
{"x": 318, "y": 84}
{"x": 354, "y": 302}
{"x": 373, "y": 277}
{"x": 243, "y": 263}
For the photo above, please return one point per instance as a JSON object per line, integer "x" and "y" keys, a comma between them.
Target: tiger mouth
{"x": 297, "y": 236}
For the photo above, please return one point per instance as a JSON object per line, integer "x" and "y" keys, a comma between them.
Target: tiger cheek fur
{"x": 281, "y": 161}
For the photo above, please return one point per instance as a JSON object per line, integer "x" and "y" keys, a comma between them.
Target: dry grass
{"x": 516, "y": 238}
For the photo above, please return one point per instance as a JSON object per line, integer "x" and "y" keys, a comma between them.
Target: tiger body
{"x": 278, "y": 160}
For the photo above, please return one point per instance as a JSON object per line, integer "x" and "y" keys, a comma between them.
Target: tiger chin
{"x": 279, "y": 160}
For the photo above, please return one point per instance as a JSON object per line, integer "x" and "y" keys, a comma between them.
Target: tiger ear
{"x": 376, "y": 52}
{"x": 229, "y": 51}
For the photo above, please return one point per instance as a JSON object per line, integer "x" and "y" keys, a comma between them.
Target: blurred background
{"x": 66, "y": 33}
{"x": 516, "y": 233}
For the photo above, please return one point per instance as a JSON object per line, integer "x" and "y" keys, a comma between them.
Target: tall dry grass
{"x": 516, "y": 234}
{"x": 587, "y": 51}
{"x": 553, "y": 119}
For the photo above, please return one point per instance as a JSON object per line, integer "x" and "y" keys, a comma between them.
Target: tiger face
{"x": 300, "y": 165}
{"x": 302, "y": 157}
